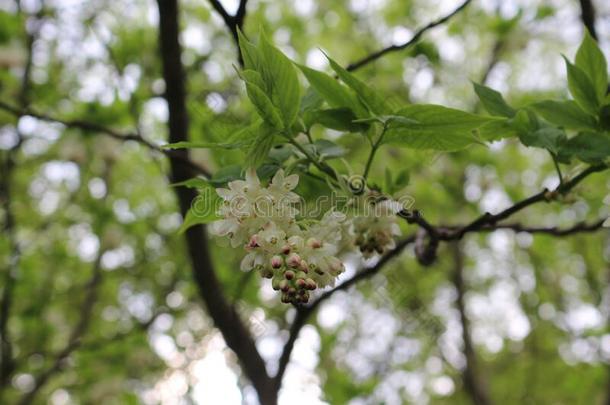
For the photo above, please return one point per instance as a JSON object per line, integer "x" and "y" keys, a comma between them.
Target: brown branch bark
{"x": 488, "y": 221}
{"x": 233, "y": 22}
{"x": 224, "y": 315}
{"x": 393, "y": 48}
{"x": 94, "y": 127}
{"x": 587, "y": 14}
{"x": 471, "y": 377}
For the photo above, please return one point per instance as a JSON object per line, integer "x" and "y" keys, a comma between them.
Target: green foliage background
{"x": 85, "y": 204}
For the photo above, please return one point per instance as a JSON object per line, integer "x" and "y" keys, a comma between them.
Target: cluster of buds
{"x": 295, "y": 265}
{"x": 291, "y": 276}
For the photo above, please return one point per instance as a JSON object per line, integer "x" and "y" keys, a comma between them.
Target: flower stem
{"x": 374, "y": 148}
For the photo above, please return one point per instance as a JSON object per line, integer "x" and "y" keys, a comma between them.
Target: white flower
{"x": 375, "y": 232}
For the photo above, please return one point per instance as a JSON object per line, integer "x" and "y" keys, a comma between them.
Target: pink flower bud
{"x": 294, "y": 260}
{"x": 300, "y": 283}
{"x": 276, "y": 262}
{"x": 286, "y": 249}
{"x": 284, "y": 286}
{"x": 310, "y": 284}
{"x": 252, "y": 243}
{"x": 289, "y": 275}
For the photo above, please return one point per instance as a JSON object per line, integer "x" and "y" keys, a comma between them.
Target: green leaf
{"x": 496, "y": 130}
{"x": 604, "y": 117}
{"x": 204, "y": 207}
{"x": 590, "y": 147}
{"x": 369, "y": 97}
{"x": 547, "y": 138}
{"x": 340, "y": 119}
{"x": 524, "y": 121}
{"x": 565, "y": 114}
{"x": 252, "y": 76}
{"x": 281, "y": 76}
{"x": 226, "y": 174}
{"x": 194, "y": 218}
{"x": 333, "y": 92}
{"x": 402, "y": 179}
{"x": 393, "y": 185}
{"x": 205, "y": 145}
{"x": 389, "y": 183}
{"x": 327, "y": 149}
{"x": 237, "y": 140}
{"x": 311, "y": 100}
{"x": 582, "y": 89}
{"x": 436, "y": 127}
{"x": 493, "y": 101}
{"x": 195, "y": 182}
{"x": 265, "y": 108}
{"x": 591, "y": 60}
{"x": 250, "y": 54}
{"x": 260, "y": 147}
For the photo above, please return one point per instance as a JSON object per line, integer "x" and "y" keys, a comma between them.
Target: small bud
{"x": 300, "y": 283}
{"x": 284, "y": 286}
{"x": 301, "y": 275}
{"x": 275, "y": 284}
{"x": 252, "y": 243}
{"x": 310, "y": 284}
{"x": 286, "y": 249}
{"x": 303, "y": 266}
{"x": 305, "y": 298}
{"x": 276, "y": 262}
{"x": 314, "y": 243}
{"x": 289, "y": 274}
{"x": 286, "y": 299}
{"x": 292, "y": 291}
{"x": 294, "y": 260}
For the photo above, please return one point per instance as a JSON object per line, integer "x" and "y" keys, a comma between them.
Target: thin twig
{"x": 94, "y": 127}
{"x": 393, "y": 48}
{"x": 233, "y": 22}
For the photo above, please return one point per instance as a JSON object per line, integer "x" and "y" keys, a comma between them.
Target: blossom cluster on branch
{"x": 299, "y": 256}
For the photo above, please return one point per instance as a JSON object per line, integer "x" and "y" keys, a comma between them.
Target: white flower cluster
{"x": 297, "y": 258}
{"x": 376, "y": 230}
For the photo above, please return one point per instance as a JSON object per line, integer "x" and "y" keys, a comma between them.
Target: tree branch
{"x": 393, "y": 48}
{"x": 75, "y": 339}
{"x": 304, "y": 312}
{"x": 233, "y": 22}
{"x": 489, "y": 222}
{"x": 225, "y": 317}
{"x": 472, "y": 380}
{"x": 94, "y": 127}
{"x": 587, "y": 14}
{"x": 7, "y": 362}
